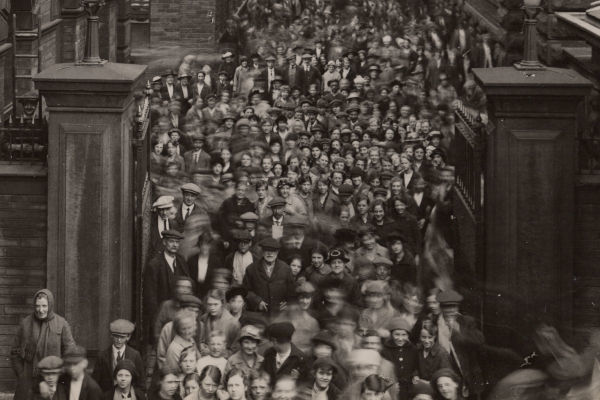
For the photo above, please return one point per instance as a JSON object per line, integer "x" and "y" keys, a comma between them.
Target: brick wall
{"x": 73, "y": 37}
{"x": 50, "y": 47}
{"x": 22, "y": 258}
{"x": 181, "y": 23}
{"x": 108, "y": 31}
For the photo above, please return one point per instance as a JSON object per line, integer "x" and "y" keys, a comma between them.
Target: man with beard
{"x": 269, "y": 281}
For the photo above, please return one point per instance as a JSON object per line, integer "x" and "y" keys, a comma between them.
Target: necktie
{"x": 165, "y": 225}
{"x": 187, "y": 214}
{"x": 119, "y": 356}
{"x": 196, "y": 157}
{"x": 174, "y": 265}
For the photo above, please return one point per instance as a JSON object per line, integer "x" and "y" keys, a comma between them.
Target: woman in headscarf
{"x": 41, "y": 334}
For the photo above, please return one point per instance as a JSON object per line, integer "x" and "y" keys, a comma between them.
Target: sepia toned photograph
{"x": 299, "y": 200}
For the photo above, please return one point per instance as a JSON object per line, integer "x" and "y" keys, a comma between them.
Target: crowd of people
{"x": 301, "y": 244}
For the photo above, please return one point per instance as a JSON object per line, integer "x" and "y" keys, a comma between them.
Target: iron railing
{"x": 469, "y": 148}
{"x": 142, "y": 195}
{"x": 24, "y": 140}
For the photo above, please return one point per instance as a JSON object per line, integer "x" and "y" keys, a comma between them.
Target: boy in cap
{"x": 127, "y": 380}
{"x": 402, "y": 353}
{"x": 283, "y": 358}
{"x": 78, "y": 384}
{"x": 50, "y": 388}
{"x": 120, "y": 331}
{"x": 246, "y": 358}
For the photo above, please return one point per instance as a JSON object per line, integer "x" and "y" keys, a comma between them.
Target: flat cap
{"x": 50, "y": 364}
{"x": 356, "y": 171}
{"x": 449, "y": 298}
{"x": 305, "y": 288}
{"x": 270, "y": 243}
{"x": 444, "y": 372}
{"x": 294, "y": 221}
{"x": 122, "y": 327}
{"x": 346, "y": 189}
{"x": 191, "y": 188}
{"x": 242, "y": 122}
{"x": 189, "y": 300}
{"x": 422, "y": 388}
{"x": 434, "y": 134}
{"x": 353, "y": 108}
{"x": 249, "y": 216}
{"x": 399, "y": 323}
{"x": 324, "y": 337}
{"x": 250, "y": 332}
{"x": 375, "y": 287}
{"x": 276, "y": 201}
{"x": 438, "y": 152}
{"x": 172, "y": 234}
{"x": 325, "y": 363}
{"x": 396, "y": 235}
{"x": 241, "y": 235}
{"x": 74, "y": 354}
{"x": 235, "y": 291}
{"x": 281, "y": 331}
{"x": 227, "y": 54}
{"x": 169, "y": 72}
{"x": 164, "y": 202}
{"x": 156, "y": 79}
{"x": 126, "y": 364}
{"x": 379, "y": 191}
{"x": 270, "y": 57}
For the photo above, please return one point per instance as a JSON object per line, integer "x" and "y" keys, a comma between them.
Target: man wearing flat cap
{"x": 459, "y": 336}
{"x": 159, "y": 276}
{"x": 197, "y": 158}
{"x": 283, "y": 358}
{"x": 269, "y": 280}
{"x": 274, "y": 223}
{"x": 79, "y": 385}
{"x": 307, "y": 74}
{"x": 120, "y": 331}
{"x": 162, "y": 221}
{"x": 190, "y": 192}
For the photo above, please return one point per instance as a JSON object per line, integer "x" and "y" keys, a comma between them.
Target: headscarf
{"x": 50, "y": 298}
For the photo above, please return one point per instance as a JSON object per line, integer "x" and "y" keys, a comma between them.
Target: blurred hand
{"x": 262, "y": 306}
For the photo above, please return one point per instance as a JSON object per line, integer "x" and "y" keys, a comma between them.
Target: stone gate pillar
{"x": 529, "y": 200}
{"x": 90, "y": 216}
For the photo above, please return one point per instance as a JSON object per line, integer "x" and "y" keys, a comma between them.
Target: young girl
{"x": 373, "y": 388}
{"x": 210, "y": 378}
{"x": 297, "y": 270}
{"x": 187, "y": 365}
{"x": 402, "y": 353}
{"x": 191, "y": 383}
{"x": 432, "y": 356}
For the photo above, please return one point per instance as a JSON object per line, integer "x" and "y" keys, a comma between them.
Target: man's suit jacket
{"x": 349, "y": 74}
{"x": 296, "y": 361}
{"x": 206, "y": 90}
{"x": 214, "y": 263}
{"x": 179, "y": 216}
{"x": 103, "y": 370}
{"x": 156, "y": 246}
{"x": 305, "y": 78}
{"x": 264, "y": 75}
{"x": 89, "y": 388}
{"x": 191, "y": 165}
{"x": 158, "y": 284}
{"x": 272, "y": 290}
{"x": 164, "y": 93}
{"x": 185, "y": 100}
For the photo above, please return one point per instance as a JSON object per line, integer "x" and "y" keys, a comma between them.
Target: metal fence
{"x": 24, "y": 140}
